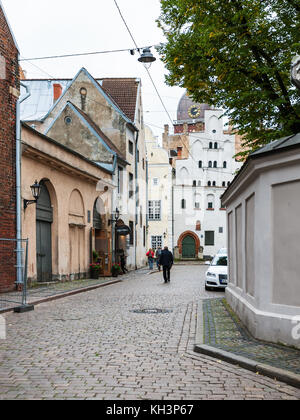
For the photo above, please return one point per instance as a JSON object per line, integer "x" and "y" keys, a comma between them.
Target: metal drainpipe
{"x": 147, "y": 203}
{"x": 18, "y": 185}
{"x": 136, "y": 195}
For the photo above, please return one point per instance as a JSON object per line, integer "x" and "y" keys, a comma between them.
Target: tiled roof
{"x": 124, "y": 91}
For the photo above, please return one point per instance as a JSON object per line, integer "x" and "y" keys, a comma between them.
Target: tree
{"x": 236, "y": 54}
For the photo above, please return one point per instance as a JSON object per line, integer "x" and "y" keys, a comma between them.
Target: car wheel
{"x": 207, "y": 288}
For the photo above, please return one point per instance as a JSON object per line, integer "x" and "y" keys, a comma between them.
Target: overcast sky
{"x": 56, "y": 27}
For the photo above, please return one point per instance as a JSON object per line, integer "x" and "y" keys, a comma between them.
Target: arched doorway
{"x": 188, "y": 247}
{"x": 44, "y": 219}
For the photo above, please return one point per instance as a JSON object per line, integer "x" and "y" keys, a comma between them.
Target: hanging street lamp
{"x": 36, "y": 192}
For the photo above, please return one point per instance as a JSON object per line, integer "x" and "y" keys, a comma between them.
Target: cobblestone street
{"x": 95, "y": 346}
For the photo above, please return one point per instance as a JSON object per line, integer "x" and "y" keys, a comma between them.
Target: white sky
{"x": 56, "y": 27}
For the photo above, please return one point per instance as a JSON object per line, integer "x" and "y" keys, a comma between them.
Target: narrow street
{"x": 93, "y": 346}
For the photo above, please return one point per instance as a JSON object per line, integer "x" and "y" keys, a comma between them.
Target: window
{"x": 194, "y": 183}
{"x": 183, "y": 203}
{"x": 155, "y": 181}
{"x": 210, "y": 164}
{"x": 199, "y": 183}
{"x": 210, "y": 201}
{"x": 221, "y": 230}
{"x": 156, "y": 241}
{"x": 130, "y": 147}
{"x": 138, "y": 155}
{"x": 144, "y": 236}
{"x": 214, "y": 183}
{"x": 120, "y": 180}
{"x": 131, "y": 236}
{"x": 224, "y": 164}
{"x": 228, "y": 183}
{"x": 197, "y": 206}
{"x": 209, "y": 238}
{"x": 130, "y": 185}
{"x": 198, "y": 225}
{"x": 209, "y": 184}
{"x": 200, "y": 163}
{"x": 216, "y": 145}
{"x": 215, "y": 164}
{"x": 141, "y": 216}
{"x": 179, "y": 152}
{"x": 223, "y": 184}
{"x": 143, "y": 164}
{"x": 154, "y": 210}
{"x": 210, "y": 145}
{"x": 210, "y": 205}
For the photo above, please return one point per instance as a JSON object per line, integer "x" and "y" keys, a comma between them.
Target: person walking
{"x": 157, "y": 256}
{"x": 123, "y": 263}
{"x": 150, "y": 255}
{"x": 166, "y": 260}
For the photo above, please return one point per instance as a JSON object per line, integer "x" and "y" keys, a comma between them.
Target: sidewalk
{"x": 50, "y": 291}
{"x": 221, "y": 334}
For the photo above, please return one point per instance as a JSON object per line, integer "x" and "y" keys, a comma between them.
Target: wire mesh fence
{"x": 13, "y": 260}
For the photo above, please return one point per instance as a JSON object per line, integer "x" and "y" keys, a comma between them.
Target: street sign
{"x": 123, "y": 230}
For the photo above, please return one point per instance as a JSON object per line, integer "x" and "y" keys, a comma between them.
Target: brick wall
{"x": 9, "y": 83}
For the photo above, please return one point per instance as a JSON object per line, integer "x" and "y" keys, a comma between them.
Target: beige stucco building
{"x": 160, "y": 226}
{"x": 73, "y": 206}
{"x": 263, "y": 207}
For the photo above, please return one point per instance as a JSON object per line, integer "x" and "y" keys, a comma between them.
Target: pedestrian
{"x": 157, "y": 256}
{"x": 123, "y": 263}
{"x": 166, "y": 260}
{"x": 150, "y": 255}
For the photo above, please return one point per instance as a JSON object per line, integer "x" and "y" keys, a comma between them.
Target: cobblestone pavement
{"x": 223, "y": 330}
{"x": 93, "y": 346}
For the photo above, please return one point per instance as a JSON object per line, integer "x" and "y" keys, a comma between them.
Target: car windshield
{"x": 219, "y": 260}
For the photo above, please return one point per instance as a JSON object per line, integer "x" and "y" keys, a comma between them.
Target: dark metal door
{"x": 188, "y": 247}
{"x": 44, "y": 219}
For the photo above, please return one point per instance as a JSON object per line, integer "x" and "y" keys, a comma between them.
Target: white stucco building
{"x": 263, "y": 208}
{"x": 159, "y": 194}
{"x": 201, "y": 178}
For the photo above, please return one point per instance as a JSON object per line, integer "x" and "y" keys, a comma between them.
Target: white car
{"x": 216, "y": 276}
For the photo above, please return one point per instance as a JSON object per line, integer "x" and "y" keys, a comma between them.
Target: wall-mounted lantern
{"x": 36, "y": 192}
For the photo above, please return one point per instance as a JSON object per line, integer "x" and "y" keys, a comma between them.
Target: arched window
{"x": 216, "y": 145}
{"x": 200, "y": 163}
{"x": 210, "y": 164}
{"x": 198, "y": 225}
{"x": 199, "y": 183}
{"x": 209, "y": 184}
{"x": 183, "y": 203}
{"x": 228, "y": 183}
{"x": 223, "y": 184}
{"x": 224, "y": 164}
{"x": 194, "y": 183}
{"x": 215, "y": 164}
{"x": 214, "y": 183}
{"x": 211, "y": 145}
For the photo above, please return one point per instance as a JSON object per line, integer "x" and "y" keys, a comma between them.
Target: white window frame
{"x": 154, "y": 210}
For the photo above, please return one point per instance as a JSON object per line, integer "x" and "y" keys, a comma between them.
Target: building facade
{"x": 70, "y": 219}
{"x": 9, "y": 93}
{"x": 263, "y": 207}
{"x": 202, "y": 155}
{"x": 84, "y": 111}
{"x": 159, "y": 194}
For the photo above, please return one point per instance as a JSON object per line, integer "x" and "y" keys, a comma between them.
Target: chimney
{"x": 57, "y": 91}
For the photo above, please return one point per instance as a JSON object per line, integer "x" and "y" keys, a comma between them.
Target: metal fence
{"x": 13, "y": 259}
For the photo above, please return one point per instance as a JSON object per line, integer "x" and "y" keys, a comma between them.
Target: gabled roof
{"x": 94, "y": 130}
{"x": 97, "y": 86}
{"x": 125, "y": 93}
{"x": 9, "y": 27}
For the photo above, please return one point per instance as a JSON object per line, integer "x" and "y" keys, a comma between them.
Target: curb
{"x": 282, "y": 375}
{"x": 63, "y": 295}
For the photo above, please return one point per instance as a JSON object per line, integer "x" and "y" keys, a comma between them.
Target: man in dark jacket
{"x": 166, "y": 260}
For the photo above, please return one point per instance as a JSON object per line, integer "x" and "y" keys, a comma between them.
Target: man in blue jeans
{"x": 166, "y": 260}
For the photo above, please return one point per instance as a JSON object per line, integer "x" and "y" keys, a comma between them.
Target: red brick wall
{"x": 8, "y": 101}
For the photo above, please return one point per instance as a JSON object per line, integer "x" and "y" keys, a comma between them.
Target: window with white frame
{"x": 155, "y": 181}
{"x": 155, "y": 210}
{"x": 156, "y": 242}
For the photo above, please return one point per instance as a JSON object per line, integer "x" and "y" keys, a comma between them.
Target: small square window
{"x": 130, "y": 147}
{"x": 221, "y": 230}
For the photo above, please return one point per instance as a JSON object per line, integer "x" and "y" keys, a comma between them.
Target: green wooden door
{"x": 44, "y": 219}
{"x": 188, "y": 247}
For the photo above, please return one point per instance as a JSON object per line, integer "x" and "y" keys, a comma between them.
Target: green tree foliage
{"x": 236, "y": 54}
